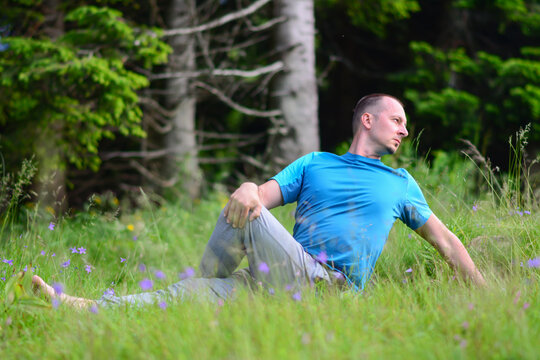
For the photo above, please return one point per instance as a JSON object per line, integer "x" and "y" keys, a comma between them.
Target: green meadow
{"x": 413, "y": 308}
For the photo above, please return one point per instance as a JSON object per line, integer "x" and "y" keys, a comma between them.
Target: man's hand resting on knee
{"x": 250, "y": 197}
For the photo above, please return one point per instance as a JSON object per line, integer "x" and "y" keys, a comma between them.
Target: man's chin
{"x": 391, "y": 150}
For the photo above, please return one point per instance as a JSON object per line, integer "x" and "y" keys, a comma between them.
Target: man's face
{"x": 389, "y": 127}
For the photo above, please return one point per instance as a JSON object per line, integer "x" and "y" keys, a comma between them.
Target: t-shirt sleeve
{"x": 291, "y": 178}
{"x": 415, "y": 210}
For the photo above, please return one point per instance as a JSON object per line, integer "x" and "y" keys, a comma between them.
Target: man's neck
{"x": 362, "y": 147}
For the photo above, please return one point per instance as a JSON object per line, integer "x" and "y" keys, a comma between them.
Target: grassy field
{"x": 425, "y": 313}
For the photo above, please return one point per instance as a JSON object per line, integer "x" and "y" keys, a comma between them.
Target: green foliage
{"x": 14, "y": 190}
{"x": 75, "y": 90}
{"x": 524, "y": 12}
{"x": 475, "y": 96}
{"x": 374, "y": 15}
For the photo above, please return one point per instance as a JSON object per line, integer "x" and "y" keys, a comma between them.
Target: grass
{"x": 423, "y": 314}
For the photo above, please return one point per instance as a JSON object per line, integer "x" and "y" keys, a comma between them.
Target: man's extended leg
{"x": 275, "y": 258}
{"x": 197, "y": 288}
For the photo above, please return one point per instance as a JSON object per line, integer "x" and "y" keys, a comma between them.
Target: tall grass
{"x": 423, "y": 313}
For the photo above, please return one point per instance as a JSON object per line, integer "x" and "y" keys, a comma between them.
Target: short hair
{"x": 365, "y": 104}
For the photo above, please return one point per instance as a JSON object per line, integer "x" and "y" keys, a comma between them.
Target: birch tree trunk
{"x": 181, "y": 141}
{"x": 296, "y": 88}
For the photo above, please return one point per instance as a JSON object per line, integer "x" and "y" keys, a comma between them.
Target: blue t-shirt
{"x": 346, "y": 206}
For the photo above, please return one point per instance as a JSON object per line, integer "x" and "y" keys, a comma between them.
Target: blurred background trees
{"x": 181, "y": 96}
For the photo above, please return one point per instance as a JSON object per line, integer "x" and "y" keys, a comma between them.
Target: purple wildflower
{"x": 9, "y": 262}
{"x": 322, "y": 257}
{"x": 3, "y": 278}
{"x": 338, "y": 275}
{"x": 288, "y": 287}
{"x": 135, "y": 238}
{"x": 25, "y": 268}
{"x": 263, "y": 267}
{"x": 409, "y": 270}
{"x": 51, "y": 226}
{"x": 66, "y": 264}
{"x": 188, "y": 273}
{"x": 527, "y": 212}
{"x": 526, "y": 306}
{"x": 465, "y": 325}
{"x": 109, "y": 292}
{"x": 81, "y": 250}
{"x": 94, "y": 309}
{"x": 220, "y": 302}
{"x": 58, "y": 288}
{"x": 410, "y": 236}
{"x": 122, "y": 259}
{"x": 88, "y": 269}
{"x": 163, "y": 305}
{"x": 159, "y": 274}
{"x": 55, "y": 303}
{"x": 474, "y": 208}
{"x": 146, "y": 284}
{"x": 42, "y": 252}
{"x": 142, "y": 267}
{"x": 74, "y": 250}
{"x": 297, "y": 296}
{"x": 53, "y": 255}
{"x": 534, "y": 263}
{"x": 271, "y": 291}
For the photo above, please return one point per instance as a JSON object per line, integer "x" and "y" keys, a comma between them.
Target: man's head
{"x": 372, "y": 104}
{"x": 379, "y": 125}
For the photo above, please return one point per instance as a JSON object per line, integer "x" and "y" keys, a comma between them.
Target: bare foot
{"x": 40, "y": 285}
{"x": 49, "y": 292}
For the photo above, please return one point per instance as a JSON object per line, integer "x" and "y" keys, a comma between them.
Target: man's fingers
{"x": 226, "y": 210}
{"x": 244, "y": 218}
{"x": 255, "y": 213}
{"x": 232, "y": 215}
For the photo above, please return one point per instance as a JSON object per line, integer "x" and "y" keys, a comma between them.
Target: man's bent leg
{"x": 276, "y": 259}
{"x": 223, "y": 252}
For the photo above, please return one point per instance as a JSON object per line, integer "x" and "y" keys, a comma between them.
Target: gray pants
{"x": 276, "y": 262}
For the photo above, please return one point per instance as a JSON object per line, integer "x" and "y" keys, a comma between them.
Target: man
{"x": 346, "y": 206}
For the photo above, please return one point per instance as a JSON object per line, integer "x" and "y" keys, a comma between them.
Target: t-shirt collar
{"x": 359, "y": 158}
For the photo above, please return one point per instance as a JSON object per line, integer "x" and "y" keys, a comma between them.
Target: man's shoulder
{"x": 318, "y": 155}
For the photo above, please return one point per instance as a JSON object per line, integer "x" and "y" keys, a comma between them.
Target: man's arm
{"x": 250, "y": 197}
{"x": 451, "y": 248}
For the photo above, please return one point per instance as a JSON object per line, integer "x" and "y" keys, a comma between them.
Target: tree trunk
{"x": 296, "y": 88}
{"x": 180, "y": 99}
{"x": 51, "y": 161}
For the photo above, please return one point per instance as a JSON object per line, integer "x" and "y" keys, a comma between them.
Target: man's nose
{"x": 403, "y": 131}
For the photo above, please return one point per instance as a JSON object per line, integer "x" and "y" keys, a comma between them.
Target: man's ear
{"x": 367, "y": 120}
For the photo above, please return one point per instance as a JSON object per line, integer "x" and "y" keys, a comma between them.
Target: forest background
{"x": 125, "y": 124}
{"x": 181, "y": 97}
